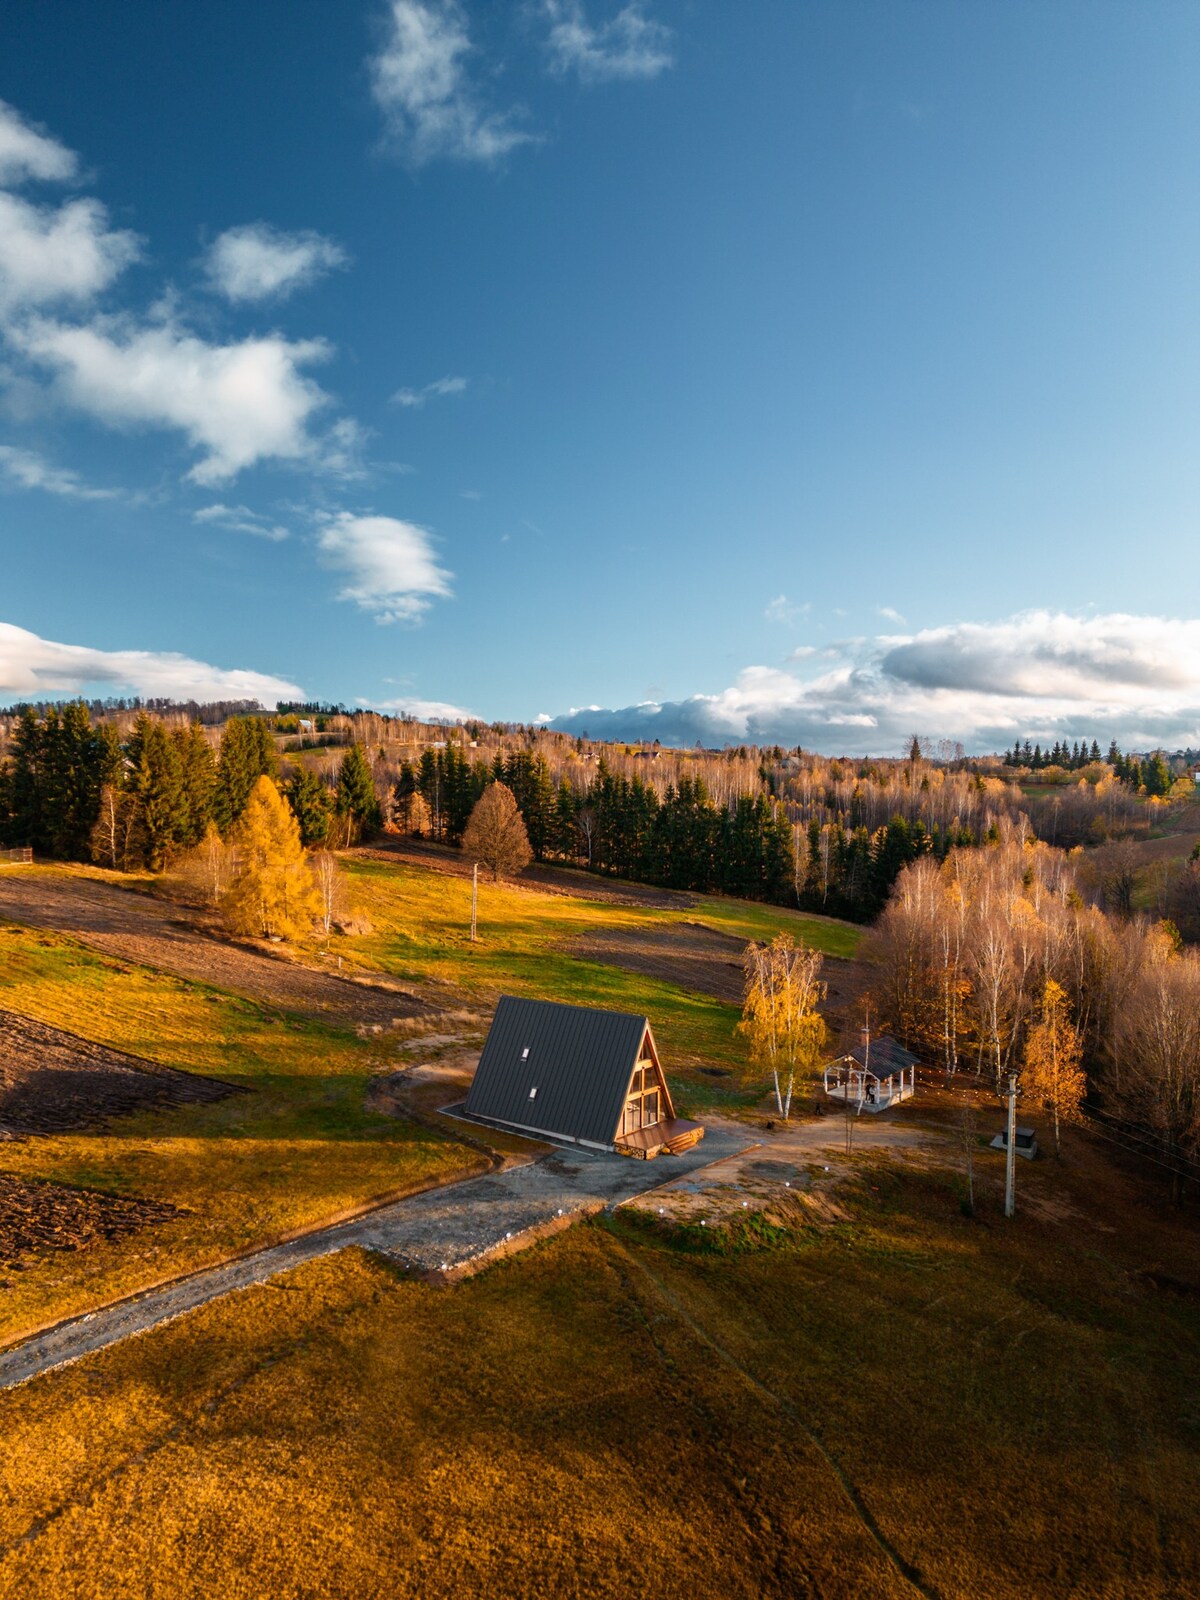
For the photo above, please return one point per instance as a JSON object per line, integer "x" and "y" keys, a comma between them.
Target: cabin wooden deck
{"x": 674, "y": 1135}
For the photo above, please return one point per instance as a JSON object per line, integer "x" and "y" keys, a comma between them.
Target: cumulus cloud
{"x": 57, "y": 253}
{"x": 32, "y": 668}
{"x": 390, "y": 567}
{"x": 258, "y": 262}
{"x": 240, "y": 519}
{"x": 421, "y": 84}
{"x": 628, "y": 46}
{"x": 1041, "y": 674}
{"x": 239, "y": 403}
{"x": 440, "y": 388}
{"x": 28, "y": 470}
{"x": 26, "y": 153}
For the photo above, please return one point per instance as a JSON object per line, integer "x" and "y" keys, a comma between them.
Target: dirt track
{"x": 708, "y": 962}
{"x": 139, "y": 928}
{"x": 544, "y": 879}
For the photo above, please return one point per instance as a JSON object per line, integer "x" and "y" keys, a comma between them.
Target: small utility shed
{"x": 569, "y": 1072}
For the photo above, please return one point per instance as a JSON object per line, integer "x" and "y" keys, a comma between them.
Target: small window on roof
{"x": 533, "y": 1093}
{"x": 525, "y": 1053}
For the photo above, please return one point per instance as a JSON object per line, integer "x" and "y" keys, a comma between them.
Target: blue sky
{"x": 820, "y": 373}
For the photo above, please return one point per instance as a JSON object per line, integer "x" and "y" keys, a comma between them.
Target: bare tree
{"x": 330, "y": 885}
{"x": 1159, "y": 1033}
{"x": 495, "y": 833}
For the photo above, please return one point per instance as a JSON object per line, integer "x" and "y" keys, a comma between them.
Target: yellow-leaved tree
{"x": 780, "y": 1019}
{"x": 272, "y": 894}
{"x": 1053, "y": 1067}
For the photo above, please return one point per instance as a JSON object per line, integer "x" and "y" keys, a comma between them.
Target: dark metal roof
{"x": 884, "y": 1058}
{"x": 579, "y": 1062}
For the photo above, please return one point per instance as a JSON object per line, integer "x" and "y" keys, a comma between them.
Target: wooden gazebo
{"x": 875, "y": 1075}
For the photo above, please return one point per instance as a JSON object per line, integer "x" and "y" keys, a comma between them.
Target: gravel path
{"x": 150, "y": 932}
{"x": 453, "y": 1230}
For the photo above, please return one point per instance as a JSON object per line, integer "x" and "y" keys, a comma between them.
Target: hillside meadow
{"x": 295, "y": 1144}
{"x": 909, "y": 1403}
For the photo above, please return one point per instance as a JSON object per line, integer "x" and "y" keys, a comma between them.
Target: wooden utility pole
{"x": 474, "y": 902}
{"x": 1010, "y": 1168}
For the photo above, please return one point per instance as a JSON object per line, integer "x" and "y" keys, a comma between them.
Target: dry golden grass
{"x": 294, "y": 1147}
{"x": 609, "y": 1415}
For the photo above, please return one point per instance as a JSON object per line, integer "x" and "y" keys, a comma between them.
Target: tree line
{"x": 1151, "y": 775}
{"x": 965, "y": 952}
{"x": 75, "y": 790}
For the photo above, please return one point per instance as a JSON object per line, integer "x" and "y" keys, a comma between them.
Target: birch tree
{"x": 1054, "y": 1074}
{"x": 780, "y": 1018}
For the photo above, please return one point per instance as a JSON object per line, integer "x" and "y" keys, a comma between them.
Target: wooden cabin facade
{"x": 569, "y": 1072}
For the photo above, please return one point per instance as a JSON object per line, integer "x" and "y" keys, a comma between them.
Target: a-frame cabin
{"x": 568, "y": 1072}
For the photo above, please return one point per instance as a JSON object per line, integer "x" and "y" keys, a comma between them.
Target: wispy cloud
{"x": 28, "y": 470}
{"x": 390, "y": 567}
{"x": 439, "y": 389}
{"x": 422, "y": 710}
{"x": 240, "y": 519}
{"x": 26, "y": 152}
{"x": 786, "y": 611}
{"x": 630, "y": 45}
{"x": 31, "y": 667}
{"x": 421, "y": 84}
{"x": 1040, "y": 674}
{"x": 257, "y": 262}
{"x": 890, "y": 613}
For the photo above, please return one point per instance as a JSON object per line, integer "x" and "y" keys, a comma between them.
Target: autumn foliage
{"x": 272, "y": 894}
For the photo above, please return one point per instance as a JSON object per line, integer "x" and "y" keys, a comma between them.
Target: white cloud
{"x": 1040, "y": 674}
{"x": 891, "y": 614}
{"x": 52, "y": 253}
{"x": 240, "y": 519}
{"x": 441, "y": 387}
{"x": 786, "y": 611}
{"x": 28, "y": 470}
{"x": 390, "y": 566}
{"x": 25, "y": 153}
{"x": 239, "y": 403}
{"x": 258, "y": 262}
{"x": 424, "y": 710}
{"x": 630, "y": 45}
{"x": 31, "y": 668}
{"x": 420, "y": 82}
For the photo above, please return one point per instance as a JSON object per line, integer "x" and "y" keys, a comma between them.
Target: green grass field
{"x": 297, "y": 1146}
{"x": 294, "y": 1147}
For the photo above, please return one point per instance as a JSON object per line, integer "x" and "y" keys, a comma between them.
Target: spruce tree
{"x": 247, "y": 753}
{"x": 356, "y": 798}
{"x": 311, "y": 803}
{"x": 157, "y": 781}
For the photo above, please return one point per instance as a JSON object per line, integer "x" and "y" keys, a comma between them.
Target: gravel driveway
{"x": 451, "y": 1230}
